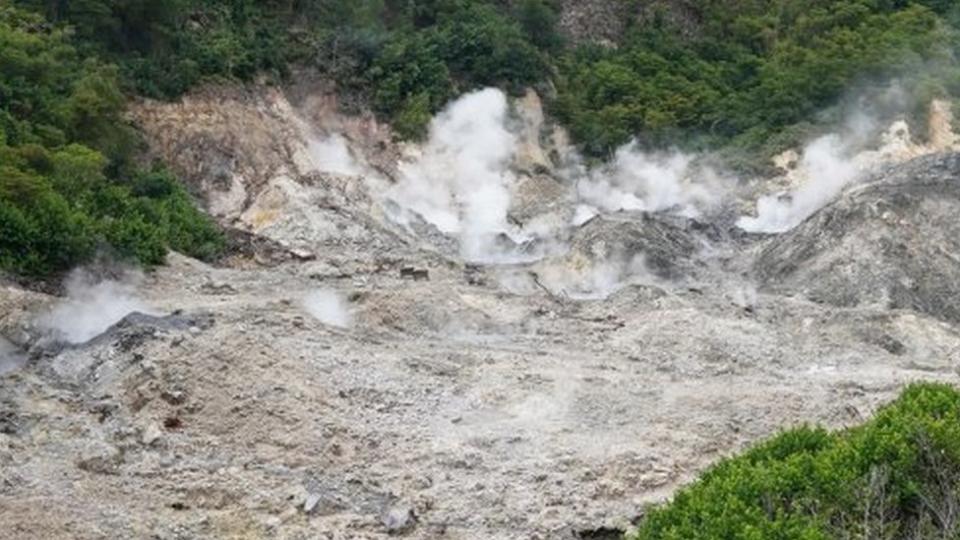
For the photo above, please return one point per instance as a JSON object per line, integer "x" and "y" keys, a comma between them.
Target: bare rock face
{"x": 893, "y": 241}
{"x": 282, "y": 165}
{"x": 598, "y": 21}
{"x": 232, "y": 143}
{"x": 668, "y": 245}
{"x": 225, "y": 141}
{"x": 605, "y": 21}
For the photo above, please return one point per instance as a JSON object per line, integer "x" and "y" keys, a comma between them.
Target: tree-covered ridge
{"x": 406, "y": 59}
{"x": 69, "y": 185}
{"x": 752, "y": 69}
{"x": 898, "y": 476}
{"x": 756, "y": 68}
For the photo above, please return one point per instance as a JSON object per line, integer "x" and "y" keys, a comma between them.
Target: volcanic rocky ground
{"x": 464, "y": 401}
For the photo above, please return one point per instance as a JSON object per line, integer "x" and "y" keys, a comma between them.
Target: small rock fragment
{"x": 311, "y": 503}
{"x": 399, "y": 519}
{"x": 151, "y": 435}
{"x": 416, "y": 274}
{"x": 174, "y": 397}
{"x": 100, "y": 458}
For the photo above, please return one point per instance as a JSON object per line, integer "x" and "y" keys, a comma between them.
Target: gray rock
{"x": 399, "y": 519}
{"x": 100, "y": 458}
{"x": 892, "y": 242}
{"x": 151, "y": 434}
{"x": 310, "y": 504}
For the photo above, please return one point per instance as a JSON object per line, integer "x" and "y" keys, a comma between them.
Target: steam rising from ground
{"x": 463, "y": 180}
{"x": 640, "y": 181}
{"x": 92, "y": 306}
{"x": 831, "y": 163}
{"x": 328, "y": 307}
{"x": 328, "y": 152}
{"x": 460, "y": 182}
{"x": 331, "y": 154}
{"x": 827, "y": 167}
{"x": 583, "y": 279}
{"x": 10, "y": 357}
{"x": 464, "y": 176}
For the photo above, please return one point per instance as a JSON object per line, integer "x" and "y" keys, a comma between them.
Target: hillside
{"x": 479, "y": 269}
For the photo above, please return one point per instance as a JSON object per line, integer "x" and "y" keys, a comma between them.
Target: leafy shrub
{"x": 68, "y": 186}
{"x": 898, "y": 476}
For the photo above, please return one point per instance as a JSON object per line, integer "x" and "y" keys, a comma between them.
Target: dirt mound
{"x": 893, "y": 241}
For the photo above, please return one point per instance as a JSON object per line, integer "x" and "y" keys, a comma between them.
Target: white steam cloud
{"x": 460, "y": 182}
{"x": 831, "y": 163}
{"x": 331, "y": 154}
{"x": 640, "y": 181}
{"x": 827, "y": 167}
{"x": 328, "y": 153}
{"x": 92, "y": 306}
{"x": 478, "y": 156}
{"x": 328, "y": 307}
{"x": 463, "y": 180}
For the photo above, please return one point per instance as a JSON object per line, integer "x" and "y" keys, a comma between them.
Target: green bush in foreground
{"x": 898, "y": 476}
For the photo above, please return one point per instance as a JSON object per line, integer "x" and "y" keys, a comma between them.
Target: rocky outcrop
{"x": 230, "y": 142}
{"x": 893, "y": 241}
{"x": 606, "y": 21}
{"x": 668, "y": 245}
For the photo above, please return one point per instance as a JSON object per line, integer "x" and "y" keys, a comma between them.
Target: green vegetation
{"x": 749, "y": 70}
{"x": 68, "y": 183}
{"x": 898, "y": 476}
{"x": 754, "y": 69}
{"x": 406, "y": 59}
{"x": 71, "y": 183}
{"x": 752, "y": 66}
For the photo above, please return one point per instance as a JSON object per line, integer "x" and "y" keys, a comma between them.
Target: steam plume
{"x": 331, "y": 154}
{"x": 460, "y": 182}
{"x": 92, "y": 306}
{"x": 827, "y": 167}
{"x": 581, "y": 279}
{"x": 640, "y": 181}
{"x": 328, "y": 307}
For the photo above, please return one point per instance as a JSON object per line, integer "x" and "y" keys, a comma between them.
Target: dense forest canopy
{"x": 749, "y": 73}
{"x": 755, "y": 69}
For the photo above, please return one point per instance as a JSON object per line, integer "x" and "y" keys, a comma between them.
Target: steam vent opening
{"x": 479, "y": 270}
